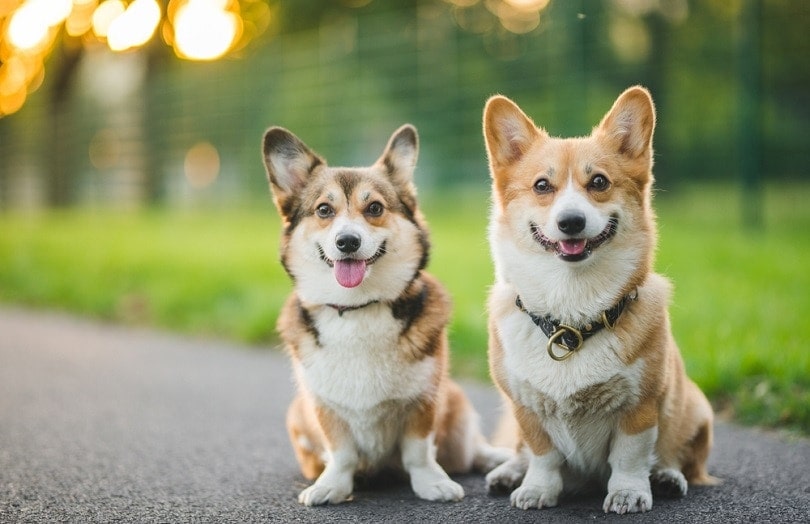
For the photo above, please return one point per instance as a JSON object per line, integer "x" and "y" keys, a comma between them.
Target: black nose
{"x": 347, "y": 243}
{"x": 571, "y": 222}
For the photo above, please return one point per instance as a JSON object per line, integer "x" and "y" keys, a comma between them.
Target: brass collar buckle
{"x": 556, "y": 338}
{"x": 570, "y": 339}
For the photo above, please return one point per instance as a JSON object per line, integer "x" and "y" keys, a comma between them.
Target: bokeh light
{"x": 201, "y": 165}
{"x": 26, "y": 30}
{"x": 104, "y": 15}
{"x": 195, "y": 29}
{"x": 204, "y": 29}
{"x": 135, "y": 26}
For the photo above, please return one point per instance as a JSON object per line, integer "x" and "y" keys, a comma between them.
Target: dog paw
{"x": 505, "y": 477}
{"x": 628, "y": 501}
{"x": 669, "y": 483}
{"x": 488, "y": 458}
{"x": 316, "y": 494}
{"x": 528, "y": 497}
{"x": 443, "y": 490}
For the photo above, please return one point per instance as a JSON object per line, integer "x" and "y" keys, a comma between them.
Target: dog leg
{"x": 543, "y": 482}
{"x": 668, "y": 482}
{"x": 428, "y": 480}
{"x": 488, "y": 457}
{"x": 306, "y": 438}
{"x": 631, "y": 457}
{"x": 336, "y": 482}
{"x": 507, "y": 476}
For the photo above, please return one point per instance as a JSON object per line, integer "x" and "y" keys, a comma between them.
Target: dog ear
{"x": 399, "y": 158}
{"x": 630, "y": 122}
{"x": 288, "y": 161}
{"x": 508, "y": 132}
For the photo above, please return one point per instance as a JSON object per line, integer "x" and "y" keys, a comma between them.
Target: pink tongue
{"x": 350, "y": 272}
{"x": 573, "y": 247}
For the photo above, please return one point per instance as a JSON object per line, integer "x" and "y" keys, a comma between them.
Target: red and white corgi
{"x": 580, "y": 339}
{"x": 365, "y": 326}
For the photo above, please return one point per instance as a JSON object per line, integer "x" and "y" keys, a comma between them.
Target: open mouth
{"x": 350, "y": 272}
{"x": 576, "y": 249}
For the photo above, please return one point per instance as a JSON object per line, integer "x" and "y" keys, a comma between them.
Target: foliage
{"x": 739, "y": 310}
{"x": 342, "y": 78}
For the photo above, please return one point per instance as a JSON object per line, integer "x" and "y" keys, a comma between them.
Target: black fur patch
{"x": 309, "y": 324}
{"x": 390, "y": 168}
{"x": 286, "y": 266}
{"x": 423, "y": 240}
{"x": 409, "y": 308}
{"x": 347, "y": 181}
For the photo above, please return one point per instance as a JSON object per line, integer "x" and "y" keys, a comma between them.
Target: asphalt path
{"x": 108, "y": 424}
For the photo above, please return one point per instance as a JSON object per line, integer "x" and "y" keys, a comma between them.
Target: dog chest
{"x": 578, "y": 400}
{"x": 357, "y": 362}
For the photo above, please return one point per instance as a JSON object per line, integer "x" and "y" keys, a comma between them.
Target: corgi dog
{"x": 365, "y": 326}
{"x": 580, "y": 341}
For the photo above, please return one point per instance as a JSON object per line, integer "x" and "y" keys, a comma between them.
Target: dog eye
{"x": 325, "y": 211}
{"x": 543, "y": 186}
{"x": 374, "y": 209}
{"x": 599, "y": 183}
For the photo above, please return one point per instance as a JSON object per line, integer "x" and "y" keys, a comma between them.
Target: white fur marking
{"x": 631, "y": 458}
{"x": 543, "y": 483}
{"x": 428, "y": 480}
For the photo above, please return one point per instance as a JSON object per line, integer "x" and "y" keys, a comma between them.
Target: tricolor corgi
{"x": 365, "y": 326}
{"x": 580, "y": 339}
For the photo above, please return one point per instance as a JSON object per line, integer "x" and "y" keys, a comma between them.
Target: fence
{"x": 731, "y": 90}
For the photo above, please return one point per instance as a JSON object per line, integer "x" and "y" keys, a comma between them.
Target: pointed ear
{"x": 630, "y": 122}
{"x": 288, "y": 161}
{"x": 508, "y": 132}
{"x": 399, "y": 158}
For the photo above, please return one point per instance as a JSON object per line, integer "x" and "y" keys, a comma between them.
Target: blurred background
{"x": 171, "y": 110}
{"x": 132, "y": 189}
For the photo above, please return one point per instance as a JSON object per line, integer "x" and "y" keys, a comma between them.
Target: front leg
{"x": 631, "y": 459}
{"x": 428, "y": 480}
{"x": 543, "y": 483}
{"x": 336, "y": 483}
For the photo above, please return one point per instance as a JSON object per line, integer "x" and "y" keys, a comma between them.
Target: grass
{"x": 742, "y": 297}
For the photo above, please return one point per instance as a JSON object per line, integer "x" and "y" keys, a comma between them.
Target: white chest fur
{"x": 579, "y": 399}
{"x": 359, "y": 372}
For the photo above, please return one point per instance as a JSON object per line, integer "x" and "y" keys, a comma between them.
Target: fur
{"x": 572, "y": 231}
{"x": 365, "y": 327}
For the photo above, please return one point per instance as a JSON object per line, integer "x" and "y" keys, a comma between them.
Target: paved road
{"x": 107, "y": 424}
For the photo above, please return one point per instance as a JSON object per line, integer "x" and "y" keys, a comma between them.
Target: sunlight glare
{"x": 27, "y": 30}
{"x": 204, "y": 29}
{"x": 135, "y": 26}
{"x": 528, "y": 5}
{"x": 104, "y": 15}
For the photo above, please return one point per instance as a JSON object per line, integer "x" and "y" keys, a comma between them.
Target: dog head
{"x": 351, "y": 235}
{"x": 576, "y": 209}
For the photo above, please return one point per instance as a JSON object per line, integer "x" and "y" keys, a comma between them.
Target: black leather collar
{"x": 343, "y": 309}
{"x": 571, "y": 338}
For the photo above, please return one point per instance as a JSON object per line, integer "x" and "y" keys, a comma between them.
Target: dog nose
{"x": 347, "y": 243}
{"x": 571, "y": 222}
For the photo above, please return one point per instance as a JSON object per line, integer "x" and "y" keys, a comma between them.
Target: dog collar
{"x": 570, "y": 338}
{"x": 343, "y": 309}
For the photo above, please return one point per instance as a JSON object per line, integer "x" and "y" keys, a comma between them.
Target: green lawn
{"x": 740, "y": 309}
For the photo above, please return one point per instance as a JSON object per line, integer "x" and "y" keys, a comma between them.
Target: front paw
{"x": 318, "y": 494}
{"x": 441, "y": 490}
{"x": 669, "y": 483}
{"x": 528, "y": 497}
{"x": 487, "y": 458}
{"x": 506, "y": 477}
{"x": 623, "y": 501}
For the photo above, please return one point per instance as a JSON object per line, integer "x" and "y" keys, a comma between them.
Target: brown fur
{"x": 386, "y": 331}
{"x": 664, "y": 397}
